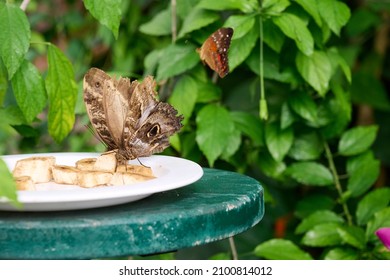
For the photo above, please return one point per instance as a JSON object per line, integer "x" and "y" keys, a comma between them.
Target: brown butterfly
{"x": 214, "y": 51}
{"x": 126, "y": 115}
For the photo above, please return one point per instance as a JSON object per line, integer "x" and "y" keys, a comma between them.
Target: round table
{"x": 221, "y": 204}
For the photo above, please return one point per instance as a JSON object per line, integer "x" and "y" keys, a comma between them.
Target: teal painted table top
{"x": 221, "y": 204}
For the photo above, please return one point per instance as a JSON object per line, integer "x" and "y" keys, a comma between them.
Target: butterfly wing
{"x": 149, "y": 121}
{"x": 116, "y": 107}
{"x": 93, "y": 87}
{"x": 214, "y": 51}
{"x": 208, "y": 53}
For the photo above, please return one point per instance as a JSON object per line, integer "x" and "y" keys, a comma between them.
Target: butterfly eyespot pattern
{"x": 122, "y": 111}
{"x": 214, "y": 51}
{"x": 153, "y": 131}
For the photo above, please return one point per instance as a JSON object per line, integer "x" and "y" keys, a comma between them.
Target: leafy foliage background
{"x": 304, "y": 109}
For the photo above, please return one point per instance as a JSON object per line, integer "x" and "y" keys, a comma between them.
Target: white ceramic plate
{"x": 171, "y": 173}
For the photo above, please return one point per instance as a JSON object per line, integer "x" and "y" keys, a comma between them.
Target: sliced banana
{"x": 24, "y": 183}
{"x": 135, "y": 169}
{"x": 38, "y": 168}
{"x": 126, "y": 178}
{"x": 106, "y": 162}
{"x": 86, "y": 164}
{"x": 63, "y": 174}
{"x": 89, "y": 179}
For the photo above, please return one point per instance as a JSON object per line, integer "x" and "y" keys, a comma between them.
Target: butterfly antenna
{"x": 142, "y": 163}
{"x": 92, "y": 131}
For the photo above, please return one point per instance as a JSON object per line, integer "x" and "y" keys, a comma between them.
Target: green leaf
{"x": 323, "y": 235}
{"x": 281, "y": 249}
{"x": 197, "y": 19}
{"x": 241, "y": 48}
{"x": 338, "y": 60}
{"x": 363, "y": 171}
{"x": 12, "y": 115}
{"x": 246, "y": 6}
{"x": 342, "y": 253}
{"x": 296, "y": 29}
{"x": 380, "y": 219}
{"x": 174, "y": 141}
{"x": 352, "y": 235}
{"x": 313, "y": 203}
{"x": 287, "y": 118}
{"x": 159, "y": 25}
{"x": 152, "y": 60}
{"x": 214, "y": 129}
{"x": 29, "y": 90}
{"x": 3, "y": 82}
{"x": 208, "y": 92}
{"x": 310, "y": 173}
{"x": 39, "y": 45}
{"x": 184, "y": 7}
{"x": 107, "y": 12}
{"x": 303, "y": 105}
{"x": 338, "y": 111}
{"x": 189, "y": 149}
{"x": 233, "y": 144}
{"x": 354, "y": 164}
{"x": 8, "y": 185}
{"x": 311, "y": 7}
{"x": 62, "y": 93}
{"x": 275, "y": 7}
{"x": 249, "y": 125}
{"x": 373, "y": 202}
{"x": 270, "y": 64}
{"x": 345, "y": 67}
{"x": 241, "y": 24}
{"x": 184, "y": 97}
{"x": 317, "y": 218}
{"x": 274, "y": 40}
{"x": 334, "y": 13}
{"x": 278, "y": 141}
{"x": 14, "y": 37}
{"x": 27, "y": 131}
{"x": 356, "y": 140}
{"x": 316, "y": 69}
{"x": 175, "y": 60}
{"x": 321, "y": 35}
{"x": 308, "y": 146}
{"x": 269, "y": 166}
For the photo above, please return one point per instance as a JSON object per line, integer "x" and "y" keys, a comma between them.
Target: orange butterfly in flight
{"x": 214, "y": 51}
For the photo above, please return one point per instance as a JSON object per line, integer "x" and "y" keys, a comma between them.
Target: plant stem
{"x": 263, "y": 103}
{"x": 261, "y": 61}
{"x": 174, "y": 22}
{"x": 337, "y": 183}
{"x": 24, "y": 5}
{"x": 233, "y": 248}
